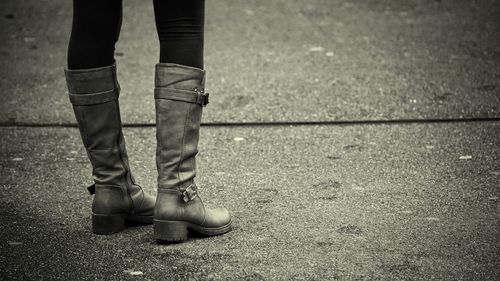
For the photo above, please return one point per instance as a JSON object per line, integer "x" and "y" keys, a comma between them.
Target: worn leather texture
{"x": 177, "y": 125}
{"x": 98, "y": 116}
{"x": 171, "y": 207}
{"x": 177, "y": 133}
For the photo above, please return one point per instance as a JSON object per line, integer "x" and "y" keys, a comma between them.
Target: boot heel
{"x": 169, "y": 230}
{"x": 107, "y": 224}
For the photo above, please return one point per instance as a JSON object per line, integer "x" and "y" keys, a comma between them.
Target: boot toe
{"x": 147, "y": 206}
{"x": 144, "y": 212}
{"x": 217, "y": 217}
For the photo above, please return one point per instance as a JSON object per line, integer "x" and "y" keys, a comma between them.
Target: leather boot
{"x": 94, "y": 95}
{"x": 179, "y": 100}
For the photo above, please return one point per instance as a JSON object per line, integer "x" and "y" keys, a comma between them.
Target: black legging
{"x": 96, "y": 28}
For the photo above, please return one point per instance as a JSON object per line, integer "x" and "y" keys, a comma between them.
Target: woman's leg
{"x": 93, "y": 92}
{"x": 180, "y": 31}
{"x": 180, "y": 98}
{"x": 94, "y": 33}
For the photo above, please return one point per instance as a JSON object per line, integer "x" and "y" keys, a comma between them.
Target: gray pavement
{"x": 310, "y": 203}
{"x": 278, "y": 60}
{"x": 360, "y": 202}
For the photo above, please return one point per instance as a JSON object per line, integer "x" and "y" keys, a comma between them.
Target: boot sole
{"x": 109, "y": 224}
{"x": 174, "y": 231}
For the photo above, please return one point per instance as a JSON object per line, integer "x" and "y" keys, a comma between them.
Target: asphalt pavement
{"x": 406, "y": 189}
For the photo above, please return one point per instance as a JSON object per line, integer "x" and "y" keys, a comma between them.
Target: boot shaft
{"x": 181, "y": 77}
{"x": 94, "y": 96}
{"x": 179, "y": 99}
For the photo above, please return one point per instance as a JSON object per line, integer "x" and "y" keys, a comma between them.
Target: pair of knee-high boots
{"x": 179, "y": 100}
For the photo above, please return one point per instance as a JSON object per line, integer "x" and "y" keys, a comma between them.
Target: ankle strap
{"x": 188, "y": 194}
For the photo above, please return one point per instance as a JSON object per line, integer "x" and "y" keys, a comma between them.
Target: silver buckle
{"x": 201, "y": 97}
{"x": 190, "y": 193}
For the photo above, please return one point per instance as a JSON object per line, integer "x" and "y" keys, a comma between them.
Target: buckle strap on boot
{"x": 95, "y": 98}
{"x": 190, "y": 193}
{"x": 92, "y": 86}
{"x": 196, "y": 96}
